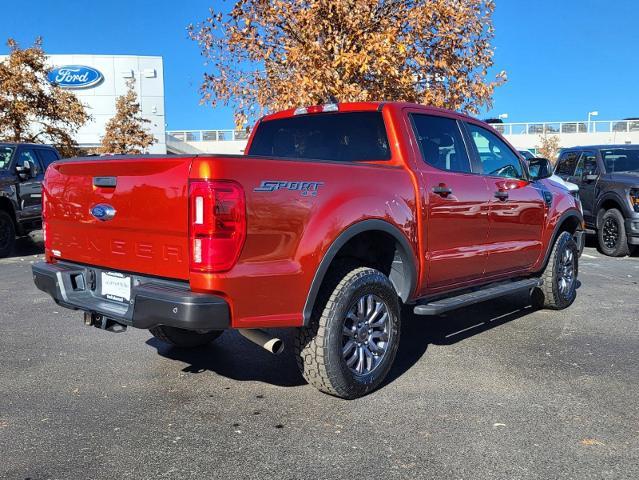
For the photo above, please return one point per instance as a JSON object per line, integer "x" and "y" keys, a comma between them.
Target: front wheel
{"x": 613, "y": 240}
{"x": 7, "y": 234}
{"x": 179, "y": 337}
{"x": 559, "y": 280}
{"x": 351, "y": 344}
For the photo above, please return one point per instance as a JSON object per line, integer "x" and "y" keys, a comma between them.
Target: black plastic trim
{"x": 625, "y": 209}
{"x": 564, "y": 216}
{"x": 153, "y": 301}
{"x": 105, "y": 182}
{"x": 483, "y": 294}
{"x": 370, "y": 225}
{"x": 580, "y": 238}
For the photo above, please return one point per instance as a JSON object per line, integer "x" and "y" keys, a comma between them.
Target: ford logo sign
{"x": 75, "y": 76}
{"x": 103, "y": 212}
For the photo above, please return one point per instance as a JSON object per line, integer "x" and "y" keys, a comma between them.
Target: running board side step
{"x": 486, "y": 293}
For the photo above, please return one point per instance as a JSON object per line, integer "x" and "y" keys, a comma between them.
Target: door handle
{"x": 442, "y": 190}
{"x": 501, "y": 195}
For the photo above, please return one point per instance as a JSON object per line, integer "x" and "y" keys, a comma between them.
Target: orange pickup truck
{"x": 335, "y": 217}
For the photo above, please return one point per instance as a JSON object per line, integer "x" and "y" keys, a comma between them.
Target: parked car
{"x": 608, "y": 179}
{"x": 22, "y": 169}
{"x": 336, "y": 215}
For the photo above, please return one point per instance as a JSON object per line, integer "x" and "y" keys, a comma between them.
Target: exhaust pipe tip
{"x": 269, "y": 343}
{"x": 275, "y": 346}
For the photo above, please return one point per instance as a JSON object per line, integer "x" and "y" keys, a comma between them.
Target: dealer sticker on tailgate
{"x": 116, "y": 286}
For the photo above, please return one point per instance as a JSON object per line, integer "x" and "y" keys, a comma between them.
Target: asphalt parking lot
{"x": 496, "y": 391}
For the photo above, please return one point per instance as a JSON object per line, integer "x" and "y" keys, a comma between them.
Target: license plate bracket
{"x": 116, "y": 286}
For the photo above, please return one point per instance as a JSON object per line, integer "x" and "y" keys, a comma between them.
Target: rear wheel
{"x": 179, "y": 337}
{"x": 613, "y": 240}
{"x": 351, "y": 344}
{"x": 7, "y": 234}
{"x": 559, "y": 280}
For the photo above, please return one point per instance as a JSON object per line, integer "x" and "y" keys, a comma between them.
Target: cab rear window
{"x": 341, "y": 137}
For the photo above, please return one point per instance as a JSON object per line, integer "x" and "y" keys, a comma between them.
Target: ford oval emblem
{"x": 103, "y": 212}
{"x": 74, "y": 76}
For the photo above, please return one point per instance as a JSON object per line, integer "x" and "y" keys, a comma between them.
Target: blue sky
{"x": 563, "y": 57}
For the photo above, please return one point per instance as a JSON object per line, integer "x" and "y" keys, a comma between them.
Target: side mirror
{"x": 539, "y": 168}
{"x": 24, "y": 171}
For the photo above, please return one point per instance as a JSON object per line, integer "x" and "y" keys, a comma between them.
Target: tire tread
{"x": 313, "y": 358}
{"x": 547, "y": 297}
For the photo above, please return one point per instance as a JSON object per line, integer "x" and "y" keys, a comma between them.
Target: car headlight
{"x": 634, "y": 198}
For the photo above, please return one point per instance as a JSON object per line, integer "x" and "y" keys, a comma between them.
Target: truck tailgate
{"x": 149, "y": 231}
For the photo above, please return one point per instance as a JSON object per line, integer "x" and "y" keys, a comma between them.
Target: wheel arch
{"x": 606, "y": 202}
{"x": 402, "y": 270}
{"x": 7, "y": 205}
{"x": 570, "y": 221}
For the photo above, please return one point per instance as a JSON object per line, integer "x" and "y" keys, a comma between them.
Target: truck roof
{"x": 370, "y": 106}
{"x": 16, "y": 144}
{"x": 601, "y": 147}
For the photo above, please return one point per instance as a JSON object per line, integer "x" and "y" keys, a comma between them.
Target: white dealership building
{"x": 98, "y": 80}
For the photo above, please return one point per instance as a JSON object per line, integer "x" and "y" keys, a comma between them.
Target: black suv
{"x": 608, "y": 179}
{"x": 22, "y": 167}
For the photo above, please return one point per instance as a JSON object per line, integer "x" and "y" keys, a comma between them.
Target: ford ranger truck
{"x": 335, "y": 217}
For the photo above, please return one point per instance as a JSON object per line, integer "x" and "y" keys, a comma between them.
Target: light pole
{"x": 591, "y": 114}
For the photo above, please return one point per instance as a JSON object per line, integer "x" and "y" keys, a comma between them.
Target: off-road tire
{"x": 318, "y": 347}
{"x": 178, "y": 337}
{"x": 548, "y": 295}
{"x": 621, "y": 248}
{"x": 7, "y": 234}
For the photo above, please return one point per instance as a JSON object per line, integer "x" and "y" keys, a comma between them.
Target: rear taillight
{"x": 46, "y": 237}
{"x": 217, "y": 215}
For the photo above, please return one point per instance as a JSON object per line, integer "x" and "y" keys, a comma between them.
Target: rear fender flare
{"x": 371, "y": 225}
{"x": 9, "y": 205}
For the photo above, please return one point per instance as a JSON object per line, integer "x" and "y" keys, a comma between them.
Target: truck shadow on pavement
{"x": 236, "y": 358}
{"x": 31, "y": 244}
{"x": 418, "y": 332}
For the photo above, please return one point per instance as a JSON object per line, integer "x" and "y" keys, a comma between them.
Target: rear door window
{"x": 587, "y": 164}
{"x": 47, "y": 156}
{"x": 441, "y": 142}
{"x": 567, "y": 164}
{"x": 342, "y": 137}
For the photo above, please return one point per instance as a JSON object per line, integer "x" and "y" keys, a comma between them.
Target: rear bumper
{"x": 153, "y": 301}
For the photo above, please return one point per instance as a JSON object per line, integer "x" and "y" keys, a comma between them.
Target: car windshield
{"x": 6, "y": 152}
{"x": 621, "y": 159}
{"x": 526, "y": 154}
